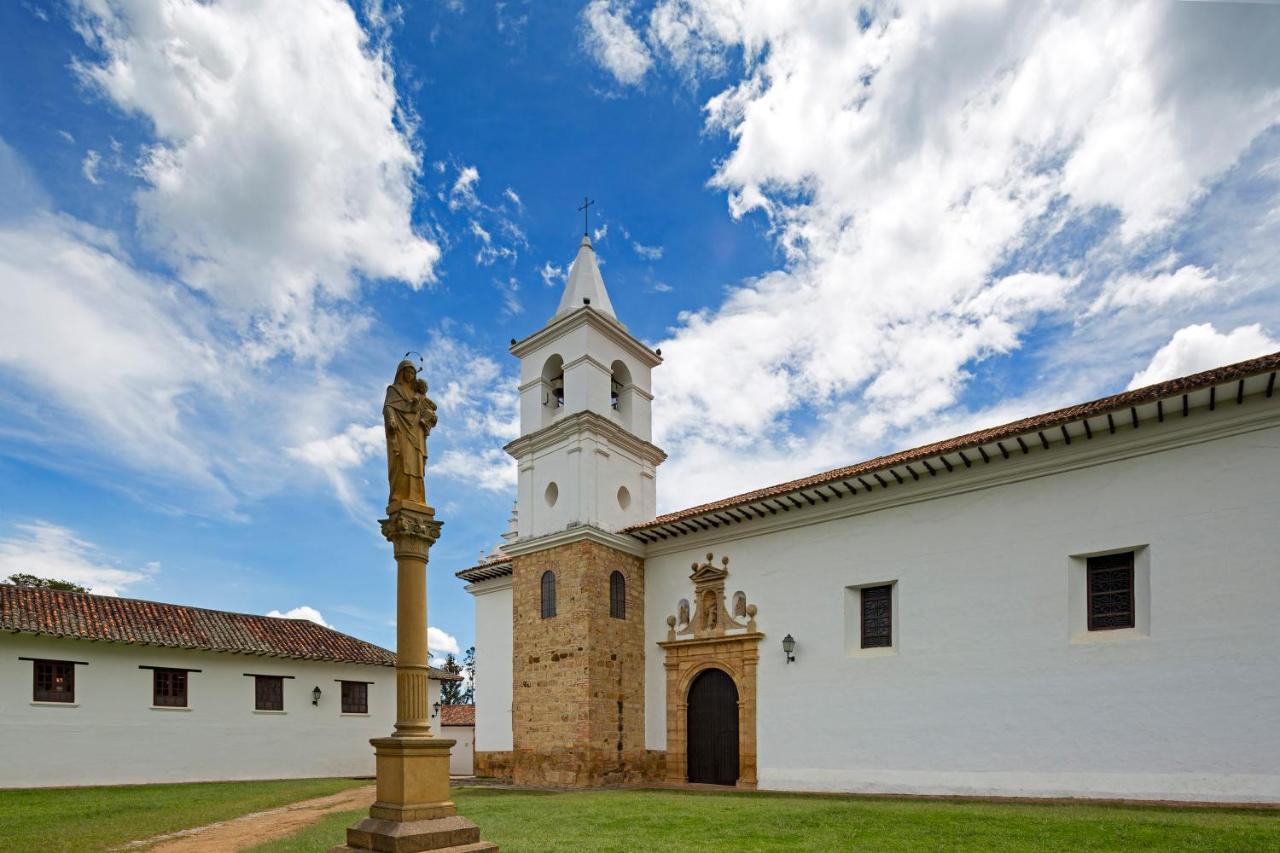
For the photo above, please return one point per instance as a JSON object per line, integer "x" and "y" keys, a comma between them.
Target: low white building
{"x": 98, "y": 690}
{"x": 458, "y": 723}
{"x": 1081, "y": 603}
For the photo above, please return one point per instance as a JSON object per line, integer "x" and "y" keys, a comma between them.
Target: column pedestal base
{"x": 413, "y": 811}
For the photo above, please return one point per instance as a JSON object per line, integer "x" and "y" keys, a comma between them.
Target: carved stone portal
{"x": 712, "y": 637}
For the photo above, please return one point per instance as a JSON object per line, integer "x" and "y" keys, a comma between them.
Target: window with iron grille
{"x": 355, "y": 697}
{"x": 548, "y": 594}
{"x": 1110, "y": 591}
{"x": 169, "y": 688}
{"x": 877, "y": 616}
{"x": 54, "y": 681}
{"x": 617, "y": 596}
{"x": 268, "y": 693}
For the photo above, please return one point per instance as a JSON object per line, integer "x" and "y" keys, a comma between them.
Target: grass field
{"x": 44, "y": 820}
{"x": 635, "y": 821}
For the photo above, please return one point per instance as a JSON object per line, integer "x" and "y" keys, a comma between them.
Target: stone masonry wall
{"x": 578, "y": 694}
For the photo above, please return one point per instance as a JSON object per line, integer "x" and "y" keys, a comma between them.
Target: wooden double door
{"x": 713, "y": 729}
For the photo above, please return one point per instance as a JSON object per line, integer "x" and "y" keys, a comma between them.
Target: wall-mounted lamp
{"x": 435, "y": 710}
{"x": 315, "y": 695}
{"x": 789, "y": 647}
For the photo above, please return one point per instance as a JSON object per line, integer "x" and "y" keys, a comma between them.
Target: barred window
{"x": 169, "y": 688}
{"x": 268, "y": 693}
{"x": 54, "y": 681}
{"x": 548, "y": 594}
{"x": 617, "y": 596}
{"x": 355, "y": 697}
{"x": 1110, "y": 584}
{"x": 877, "y": 616}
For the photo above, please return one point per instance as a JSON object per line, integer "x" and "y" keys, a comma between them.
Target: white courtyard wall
{"x": 494, "y": 621}
{"x": 113, "y": 735}
{"x": 991, "y": 688}
{"x": 462, "y": 755}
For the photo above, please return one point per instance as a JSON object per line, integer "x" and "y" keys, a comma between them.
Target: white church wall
{"x": 112, "y": 735}
{"x": 992, "y": 687}
{"x": 494, "y": 620}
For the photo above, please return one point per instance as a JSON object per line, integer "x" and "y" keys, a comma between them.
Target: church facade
{"x": 1081, "y": 603}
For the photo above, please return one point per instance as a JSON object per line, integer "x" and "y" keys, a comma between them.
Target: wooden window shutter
{"x": 877, "y": 616}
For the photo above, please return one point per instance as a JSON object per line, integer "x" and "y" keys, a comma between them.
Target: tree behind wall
{"x": 469, "y": 669}
{"x": 45, "y": 583}
{"x": 451, "y": 691}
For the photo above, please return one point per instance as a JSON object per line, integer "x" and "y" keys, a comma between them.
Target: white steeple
{"x": 585, "y": 451}
{"x": 585, "y": 285}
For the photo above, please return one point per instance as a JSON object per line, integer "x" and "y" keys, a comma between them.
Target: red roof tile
{"x": 457, "y": 715}
{"x": 1105, "y": 405}
{"x": 84, "y": 616}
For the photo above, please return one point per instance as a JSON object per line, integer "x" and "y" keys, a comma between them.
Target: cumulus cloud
{"x": 301, "y": 612}
{"x": 612, "y": 42}
{"x": 280, "y": 172}
{"x": 339, "y": 456}
{"x": 1201, "y": 347}
{"x": 89, "y": 167}
{"x": 941, "y": 180}
{"x": 442, "y": 643}
{"x": 50, "y": 551}
{"x": 552, "y": 274}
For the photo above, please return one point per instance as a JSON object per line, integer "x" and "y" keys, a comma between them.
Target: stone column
{"x": 413, "y": 811}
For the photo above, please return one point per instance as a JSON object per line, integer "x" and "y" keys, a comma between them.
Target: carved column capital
{"x": 411, "y": 532}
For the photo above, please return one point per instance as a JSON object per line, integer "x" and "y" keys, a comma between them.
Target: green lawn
{"x": 43, "y": 820}
{"x": 649, "y": 821}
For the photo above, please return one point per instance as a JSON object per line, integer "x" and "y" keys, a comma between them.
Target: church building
{"x": 1083, "y": 603}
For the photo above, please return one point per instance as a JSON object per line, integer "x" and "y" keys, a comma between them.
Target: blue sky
{"x": 850, "y": 229}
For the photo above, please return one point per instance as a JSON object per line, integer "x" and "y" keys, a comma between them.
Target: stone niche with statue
{"x": 711, "y": 633}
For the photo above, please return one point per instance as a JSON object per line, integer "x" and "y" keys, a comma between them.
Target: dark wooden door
{"x": 713, "y": 729}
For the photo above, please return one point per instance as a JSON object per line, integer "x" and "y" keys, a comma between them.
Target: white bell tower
{"x": 584, "y": 449}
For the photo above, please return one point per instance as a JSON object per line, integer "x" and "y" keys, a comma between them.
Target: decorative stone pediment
{"x": 709, "y": 616}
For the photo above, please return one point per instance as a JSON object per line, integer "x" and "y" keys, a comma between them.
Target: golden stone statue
{"x": 408, "y": 416}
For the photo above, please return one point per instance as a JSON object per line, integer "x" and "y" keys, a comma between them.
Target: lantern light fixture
{"x": 315, "y": 695}
{"x": 789, "y": 647}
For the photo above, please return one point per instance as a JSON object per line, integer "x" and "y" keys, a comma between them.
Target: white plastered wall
{"x": 990, "y": 688}
{"x": 112, "y": 735}
{"x": 493, "y": 664}
{"x": 462, "y": 755}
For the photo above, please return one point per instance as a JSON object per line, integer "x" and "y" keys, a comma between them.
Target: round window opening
{"x": 552, "y": 494}
{"x": 624, "y": 497}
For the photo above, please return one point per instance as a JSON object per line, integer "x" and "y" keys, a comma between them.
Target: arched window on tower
{"x": 548, "y": 594}
{"x": 552, "y": 388}
{"x": 619, "y": 379}
{"x": 617, "y": 596}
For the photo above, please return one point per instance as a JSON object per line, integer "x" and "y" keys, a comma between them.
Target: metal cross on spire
{"x": 586, "y": 203}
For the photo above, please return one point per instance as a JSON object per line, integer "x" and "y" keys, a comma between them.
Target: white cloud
{"x": 649, "y": 253}
{"x": 552, "y": 274}
{"x": 512, "y": 197}
{"x": 49, "y": 551}
{"x": 89, "y": 166}
{"x": 281, "y": 173}
{"x": 612, "y": 42}
{"x": 463, "y": 193}
{"x": 441, "y": 643}
{"x": 302, "y": 612}
{"x": 598, "y": 234}
{"x": 337, "y": 456}
{"x": 1202, "y": 347}
{"x": 926, "y": 174}
{"x": 1131, "y": 290}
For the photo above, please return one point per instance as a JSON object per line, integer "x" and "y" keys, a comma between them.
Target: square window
{"x": 169, "y": 688}
{"x": 268, "y": 693}
{"x": 355, "y": 697}
{"x": 877, "y": 616}
{"x": 1109, "y": 587}
{"x": 54, "y": 681}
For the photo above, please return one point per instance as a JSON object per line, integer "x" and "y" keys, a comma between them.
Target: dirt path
{"x": 240, "y": 833}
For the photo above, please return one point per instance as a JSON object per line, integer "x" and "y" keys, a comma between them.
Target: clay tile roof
{"x": 487, "y": 570}
{"x": 83, "y": 616}
{"x": 1115, "y": 403}
{"x": 457, "y": 715}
